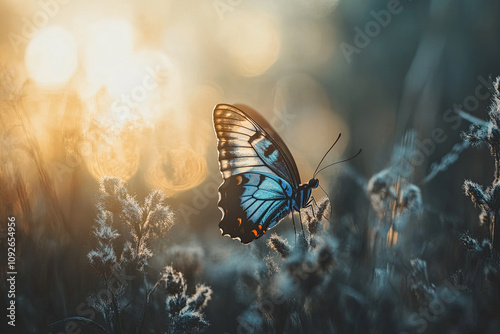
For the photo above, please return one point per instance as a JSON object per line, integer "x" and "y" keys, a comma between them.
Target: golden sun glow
{"x": 108, "y": 50}
{"x": 51, "y": 56}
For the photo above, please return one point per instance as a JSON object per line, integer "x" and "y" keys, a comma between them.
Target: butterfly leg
{"x": 311, "y": 204}
{"x": 294, "y": 229}
{"x": 313, "y": 201}
{"x": 302, "y": 225}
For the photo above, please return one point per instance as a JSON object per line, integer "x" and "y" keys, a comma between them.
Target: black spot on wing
{"x": 269, "y": 150}
{"x": 271, "y": 156}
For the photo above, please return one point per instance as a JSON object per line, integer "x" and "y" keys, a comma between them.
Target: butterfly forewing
{"x": 238, "y": 130}
{"x": 258, "y": 170}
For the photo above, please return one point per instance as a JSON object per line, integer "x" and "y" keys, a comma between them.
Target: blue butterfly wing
{"x": 258, "y": 170}
{"x": 252, "y": 203}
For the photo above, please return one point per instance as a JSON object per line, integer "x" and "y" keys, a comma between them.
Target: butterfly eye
{"x": 313, "y": 183}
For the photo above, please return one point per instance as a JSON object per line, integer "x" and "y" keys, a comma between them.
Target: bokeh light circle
{"x": 51, "y": 56}
{"x": 177, "y": 170}
{"x": 112, "y": 155}
{"x": 252, "y": 42}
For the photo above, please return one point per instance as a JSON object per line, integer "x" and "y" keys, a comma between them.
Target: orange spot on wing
{"x": 260, "y": 227}
{"x": 239, "y": 179}
{"x": 239, "y": 221}
{"x": 264, "y": 231}
{"x": 254, "y": 232}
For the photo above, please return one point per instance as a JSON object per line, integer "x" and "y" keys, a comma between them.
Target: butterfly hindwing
{"x": 252, "y": 203}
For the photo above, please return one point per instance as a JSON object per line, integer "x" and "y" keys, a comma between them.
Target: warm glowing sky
{"x": 130, "y": 85}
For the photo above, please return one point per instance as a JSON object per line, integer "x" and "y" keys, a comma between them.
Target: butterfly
{"x": 261, "y": 181}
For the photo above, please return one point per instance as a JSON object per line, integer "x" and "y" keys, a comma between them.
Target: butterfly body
{"x": 261, "y": 180}
{"x": 303, "y": 194}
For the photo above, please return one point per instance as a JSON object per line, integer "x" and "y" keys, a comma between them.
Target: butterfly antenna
{"x": 338, "y": 162}
{"x": 336, "y": 140}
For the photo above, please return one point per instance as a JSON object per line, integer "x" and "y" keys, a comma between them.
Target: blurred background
{"x": 126, "y": 89}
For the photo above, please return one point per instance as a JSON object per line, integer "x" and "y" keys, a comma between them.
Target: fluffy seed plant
{"x": 397, "y": 202}
{"x": 130, "y": 301}
{"x": 289, "y": 282}
{"x": 399, "y": 275}
{"x": 413, "y": 303}
{"x": 314, "y": 284}
{"x": 482, "y": 268}
{"x": 488, "y": 200}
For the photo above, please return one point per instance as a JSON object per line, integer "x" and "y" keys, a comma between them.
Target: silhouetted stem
{"x": 497, "y": 164}
{"x": 492, "y": 232}
{"x": 116, "y": 311}
{"x": 146, "y": 303}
